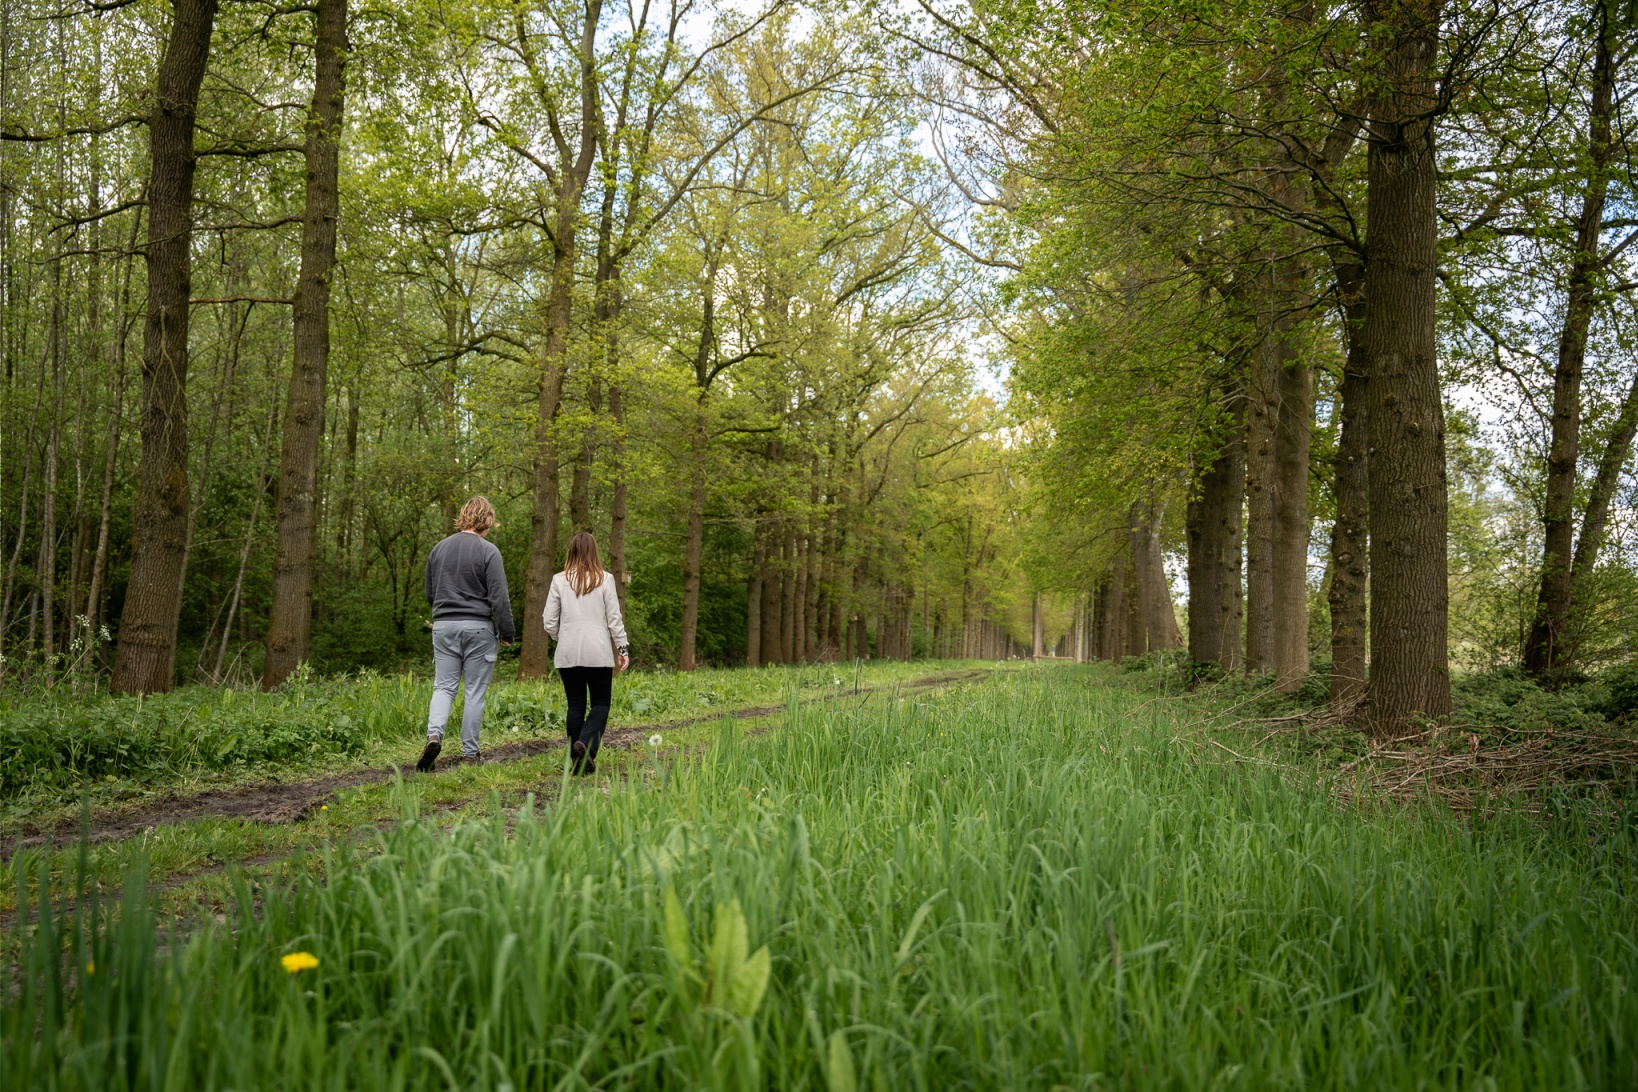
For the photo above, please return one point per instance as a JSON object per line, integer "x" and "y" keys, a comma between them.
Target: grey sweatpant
{"x": 461, "y": 647}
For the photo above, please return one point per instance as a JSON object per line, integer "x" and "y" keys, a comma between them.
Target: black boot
{"x": 429, "y": 757}
{"x": 577, "y": 751}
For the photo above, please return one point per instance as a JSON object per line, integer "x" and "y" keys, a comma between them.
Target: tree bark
{"x": 1213, "y": 520}
{"x": 1409, "y": 593}
{"x": 1154, "y": 595}
{"x": 772, "y": 586}
{"x": 789, "y": 562}
{"x": 1293, "y": 434}
{"x": 1137, "y": 631}
{"x": 1350, "y": 540}
{"x": 1549, "y": 642}
{"x": 349, "y": 478}
{"x": 753, "y": 609}
{"x": 1204, "y": 524}
{"x": 1262, "y": 416}
{"x": 290, "y": 621}
{"x": 146, "y": 658}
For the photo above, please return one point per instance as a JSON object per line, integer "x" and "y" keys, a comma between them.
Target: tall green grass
{"x": 56, "y": 746}
{"x": 1029, "y": 883}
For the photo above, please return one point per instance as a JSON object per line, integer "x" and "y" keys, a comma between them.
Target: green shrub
{"x": 1509, "y": 699}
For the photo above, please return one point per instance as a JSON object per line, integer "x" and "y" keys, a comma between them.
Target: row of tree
{"x": 1215, "y": 219}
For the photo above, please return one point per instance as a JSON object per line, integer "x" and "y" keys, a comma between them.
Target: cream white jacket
{"x": 587, "y": 628}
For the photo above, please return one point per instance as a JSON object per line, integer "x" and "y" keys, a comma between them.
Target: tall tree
{"x": 1409, "y": 595}
{"x": 289, "y": 626}
{"x": 146, "y": 658}
{"x": 1549, "y": 643}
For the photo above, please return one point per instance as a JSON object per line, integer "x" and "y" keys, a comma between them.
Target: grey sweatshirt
{"x": 466, "y": 579}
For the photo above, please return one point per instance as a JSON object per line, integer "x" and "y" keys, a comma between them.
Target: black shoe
{"x": 429, "y": 757}
{"x": 589, "y": 767}
{"x": 577, "y": 751}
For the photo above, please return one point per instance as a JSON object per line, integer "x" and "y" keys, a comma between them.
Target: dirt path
{"x": 292, "y": 801}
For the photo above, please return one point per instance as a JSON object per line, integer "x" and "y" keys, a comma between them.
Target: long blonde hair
{"x": 582, "y": 567}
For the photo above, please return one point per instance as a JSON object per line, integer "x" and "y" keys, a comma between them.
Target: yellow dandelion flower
{"x": 91, "y": 967}
{"x": 296, "y": 962}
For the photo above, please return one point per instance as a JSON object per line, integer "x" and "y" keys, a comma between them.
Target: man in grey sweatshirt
{"x": 471, "y": 619}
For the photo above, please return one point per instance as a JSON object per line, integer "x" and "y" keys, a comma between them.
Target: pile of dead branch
{"x": 1453, "y": 765}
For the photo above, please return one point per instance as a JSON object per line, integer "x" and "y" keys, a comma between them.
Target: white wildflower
{"x": 655, "y": 740}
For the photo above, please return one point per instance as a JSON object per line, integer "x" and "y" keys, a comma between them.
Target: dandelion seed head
{"x": 655, "y": 740}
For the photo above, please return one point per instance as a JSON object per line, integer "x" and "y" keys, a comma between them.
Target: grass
{"x": 57, "y": 749}
{"x": 1038, "y": 881}
{"x": 172, "y": 853}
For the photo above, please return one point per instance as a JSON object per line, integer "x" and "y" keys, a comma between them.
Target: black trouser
{"x": 577, "y": 681}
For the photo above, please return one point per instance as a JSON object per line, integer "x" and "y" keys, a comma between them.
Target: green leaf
{"x": 677, "y": 943}
{"x": 728, "y": 948}
{"x": 749, "y": 983}
{"x": 839, "y": 1075}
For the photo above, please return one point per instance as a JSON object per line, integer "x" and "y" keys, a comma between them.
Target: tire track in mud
{"x": 290, "y": 802}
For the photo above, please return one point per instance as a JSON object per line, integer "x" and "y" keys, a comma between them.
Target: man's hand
{"x": 506, "y": 644}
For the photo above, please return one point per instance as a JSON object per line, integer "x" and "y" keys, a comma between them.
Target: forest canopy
{"x": 1299, "y": 338}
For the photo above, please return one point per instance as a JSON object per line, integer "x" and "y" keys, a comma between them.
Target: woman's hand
{"x": 625, "y": 662}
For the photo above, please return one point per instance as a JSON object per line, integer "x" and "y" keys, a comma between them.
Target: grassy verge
{"x": 58, "y": 750}
{"x": 169, "y": 854}
{"x": 1035, "y": 882}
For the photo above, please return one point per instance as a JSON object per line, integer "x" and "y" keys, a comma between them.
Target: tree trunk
{"x": 1594, "y": 524}
{"x": 810, "y": 612}
{"x": 773, "y": 622}
{"x": 116, "y": 419}
{"x": 753, "y": 609}
{"x": 1231, "y": 603}
{"x": 1549, "y": 641}
{"x": 1213, "y": 520}
{"x": 1037, "y": 628}
{"x": 693, "y": 551}
{"x": 1262, "y": 416}
{"x": 1136, "y": 641}
{"x": 1350, "y": 541}
{"x": 1409, "y": 593}
{"x": 1112, "y": 626}
{"x": 1204, "y": 524}
{"x": 146, "y": 658}
{"x": 349, "y": 479}
{"x": 546, "y": 508}
{"x": 1292, "y": 439}
{"x": 788, "y": 563}
{"x": 290, "y": 621}
{"x": 619, "y": 503}
{"x": 45, "y": 571}
{"x": 1154, "y": 598}
{"x": 580, "y": 518}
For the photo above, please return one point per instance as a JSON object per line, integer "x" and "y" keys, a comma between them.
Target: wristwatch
{"x": 625, "y": 650}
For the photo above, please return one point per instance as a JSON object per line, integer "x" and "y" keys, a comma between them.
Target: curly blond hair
{"x": 477, "y": 515}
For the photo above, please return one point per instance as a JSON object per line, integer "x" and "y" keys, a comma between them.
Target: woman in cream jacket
{"x": 583, "y": 617}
